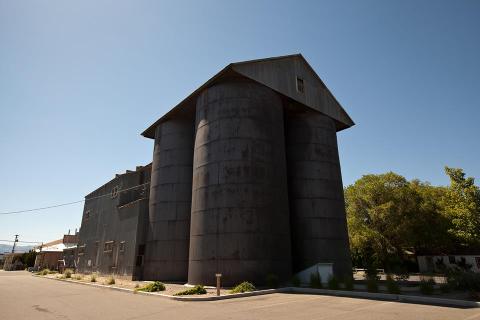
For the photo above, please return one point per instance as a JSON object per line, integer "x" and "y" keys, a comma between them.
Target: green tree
{"x": 462, "y": 206}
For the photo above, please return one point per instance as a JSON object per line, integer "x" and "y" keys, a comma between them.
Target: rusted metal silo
{"x": 166, "y": 256}
{"x": 317, "y": 208}
{"x": 240, "y": 217}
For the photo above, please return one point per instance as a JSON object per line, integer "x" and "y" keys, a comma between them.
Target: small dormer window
{"x": 300, "y": 86}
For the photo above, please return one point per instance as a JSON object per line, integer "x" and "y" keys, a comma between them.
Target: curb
{"x": 177, "y": 298}
{"x": 390, "y": 297}
{"x": 338, "y": 293}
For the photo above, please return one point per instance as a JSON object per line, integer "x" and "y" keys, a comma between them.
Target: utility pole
{"x": 15, "y": 243}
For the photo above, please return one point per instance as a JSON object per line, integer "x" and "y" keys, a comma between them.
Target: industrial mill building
{"x": 246, "y": 180}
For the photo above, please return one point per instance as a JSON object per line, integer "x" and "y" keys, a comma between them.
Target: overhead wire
{"x": 70, "y": 203}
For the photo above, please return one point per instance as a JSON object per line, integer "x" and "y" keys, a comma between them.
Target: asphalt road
{"x": 25, "y": 297}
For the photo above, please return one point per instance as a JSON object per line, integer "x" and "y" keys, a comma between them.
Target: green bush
{"x": 68, "y": 273}
{"x": 110, "y": 280}
{"x": 333, "y": 283}
{"x": 93, "y": 277}
{"x": 348, "y": 283}
{"x": 464, "y": 280}
{"x": 372, "y": 285}
{"x": 426, "y": 286}
{"x": 315, "y": 280}
{"x": 272, "y": 280}
{"x": 295, "y": 281}
{"x": 243, "y": 287}
{"x": 152, "y": 287}
{"x": 392, "y": 285}
{"x": 195, "y": 290}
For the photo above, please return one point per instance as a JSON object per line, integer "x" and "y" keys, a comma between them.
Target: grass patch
{"x": 68, "y": 273}
{"x": 93, "y": 277}
{"x": 110, "y": 280}
{"x": 243, "y": 287}
{"x": 198, "y": 289}
{"x": 78, "y": 277}
{"x": 152, "y": 287}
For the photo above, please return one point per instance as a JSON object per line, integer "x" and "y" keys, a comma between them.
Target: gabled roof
{"x": 280, "y": 74}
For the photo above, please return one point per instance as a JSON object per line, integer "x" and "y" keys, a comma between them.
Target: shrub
{"x": 372, "y": 272}
{"x": 372, "y": 285}
{"x": 243, "y": 287}
{"x": 445, "y": 287}
{"x": 68, "y": 273}
{"x": 315, "y": 280}
{"x": 392, "y": 285}
{"x": 195, "y": 290}
{"x": 44, "y": 272}
{"x": 93, "y": 277}
{"x": 272, "y": 280}
{"x": 348, "y": 283}
{"x": 295, "y": 281}
{"x": 464, "y": 280}
{"x": 426, "y": 286}
{"x": 333, "y": 283}
{"x": 110, "y": 280}
{"x": 152, "y": 287}
{"x": 78, "y": 277}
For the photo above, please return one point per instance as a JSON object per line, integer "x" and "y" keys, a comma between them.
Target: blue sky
{"x": 79, "y": 82}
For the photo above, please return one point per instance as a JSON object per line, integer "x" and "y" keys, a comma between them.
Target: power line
{"x": 21, "y": 241}
{"x": 73, "y": 202}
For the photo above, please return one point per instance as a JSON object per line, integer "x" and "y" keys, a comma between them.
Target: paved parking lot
{"x": 25, "y": 297}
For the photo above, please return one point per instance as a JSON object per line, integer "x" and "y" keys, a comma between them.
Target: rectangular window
{"x": 121, "y": 246}
{"x": 108, "y": 246}
{"x": 300, "y": 85}
{"x": 114, "y": 192}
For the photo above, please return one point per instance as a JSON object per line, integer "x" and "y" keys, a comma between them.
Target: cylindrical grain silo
{"x": 166, "y": 255}
{"x": 317, "y": 208}
{"x": 240, "y": 219}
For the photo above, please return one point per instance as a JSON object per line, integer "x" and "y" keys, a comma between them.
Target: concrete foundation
{"x": 166, "y": 256}
{"x": 240, "y": 218}
{"x": 317, "y": 207}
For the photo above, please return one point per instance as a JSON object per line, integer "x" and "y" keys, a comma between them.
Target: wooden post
{"x": 218, "y": 276}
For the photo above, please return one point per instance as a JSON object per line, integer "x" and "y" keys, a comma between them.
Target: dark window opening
{"x": 141, "y": 249}
{"x": 108, "y": 246}
{"x": 121, "y": 246}
{"x": 114, "y": 192}
{"x": 451, "y": 259}
{"x": 139, "y": 261}
{"x": 300, "y": 85}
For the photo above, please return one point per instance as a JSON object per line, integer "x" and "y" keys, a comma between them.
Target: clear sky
{"x": 80, "y": 80}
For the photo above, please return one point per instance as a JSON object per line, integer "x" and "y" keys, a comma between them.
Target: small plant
{"x": 272, "y": 280}
{"x": 426, "y": 286}
{"x": 44, "y": 272}
{"x": 372, "y": 285}
{"x": 295, "y": 281}
{"x": 392, "y": 285}
{"x": 78, "y": 277}
{"x": 333, "y": 283}
{"x": 110, "y": 280}
{"x": 348, "y": 283}
{"x": 195, "y": 290}
{"x": 93, "y": 277}
{"x": 243, "y": 287}
{"x": 68, "y": 273}
{"x": 151, "y": 287}
{"x": 315, "y": 280}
